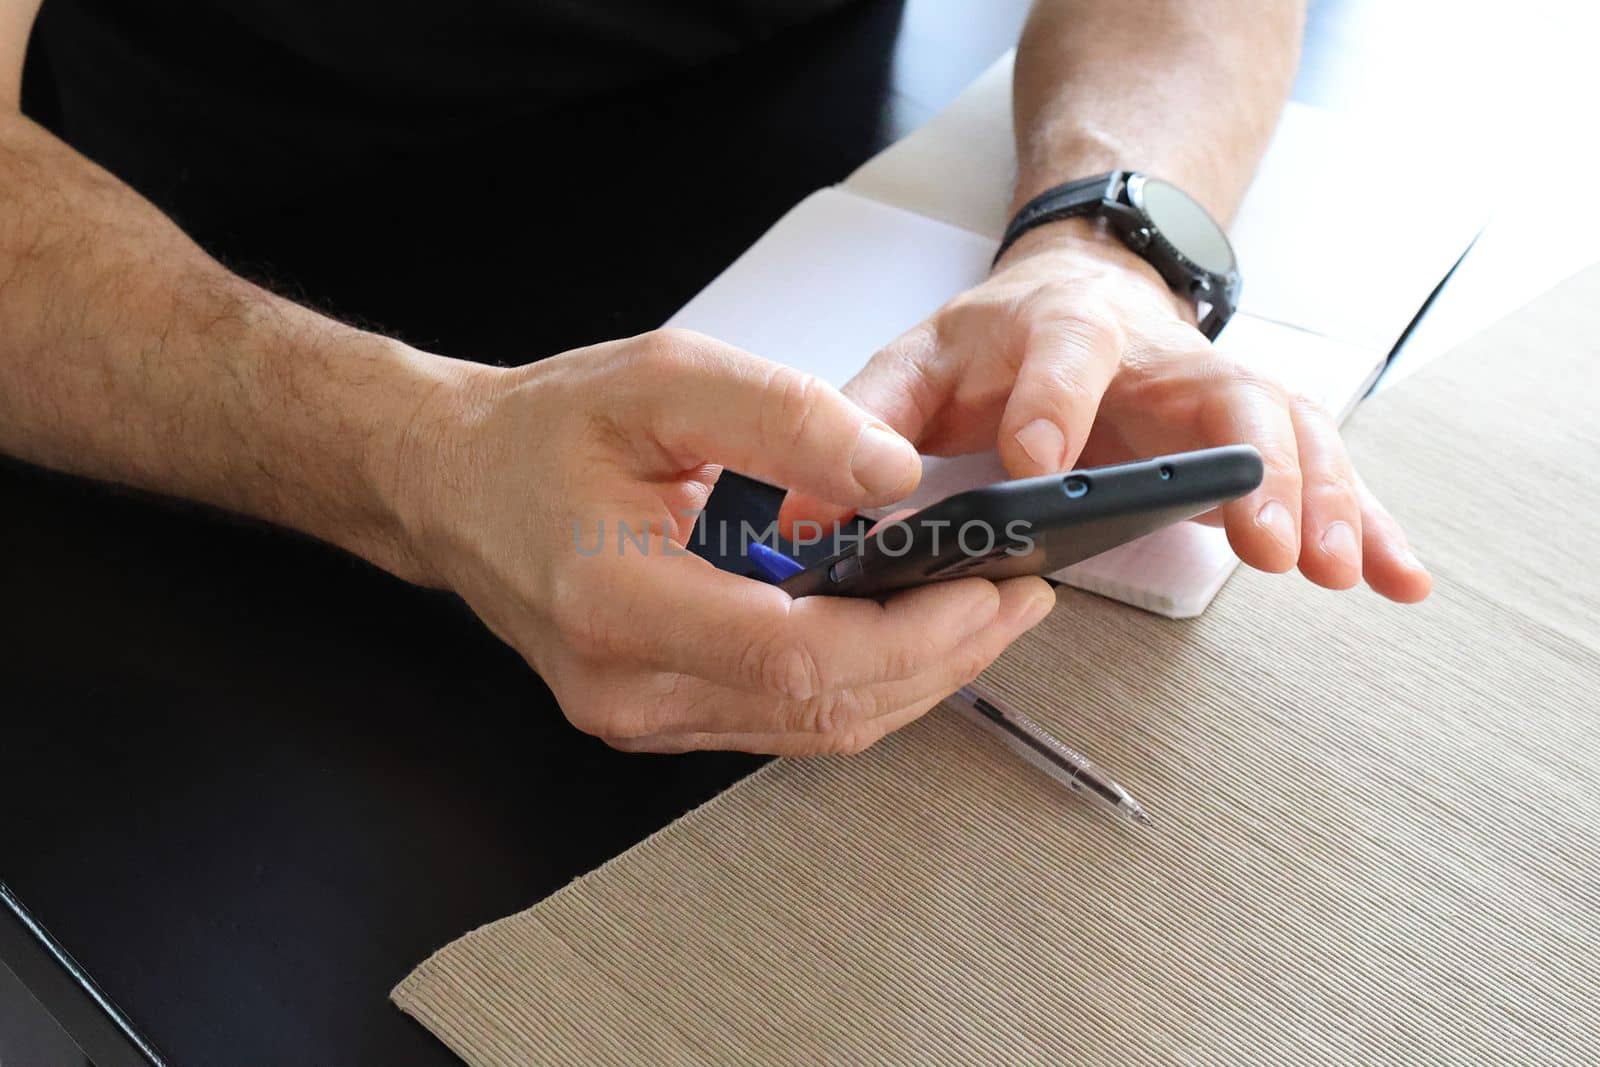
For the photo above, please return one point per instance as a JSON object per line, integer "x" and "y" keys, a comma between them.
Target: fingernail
{"x": 1041, "y": 439}
{"x": 883, "y": 463}
{"x": 1039, "y": 609}
{"x": 1276, "y": 520}
{"x": 1409, "y": 558}
{"x": 1339, "y": 541}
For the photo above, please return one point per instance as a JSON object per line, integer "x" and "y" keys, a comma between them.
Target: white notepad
{"x": 851, "y": 267}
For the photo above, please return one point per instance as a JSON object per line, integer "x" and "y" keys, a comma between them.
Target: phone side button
{"x": 844, "y": 570}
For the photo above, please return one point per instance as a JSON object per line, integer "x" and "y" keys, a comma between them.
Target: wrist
{"x": 424, "y": 404}
{"x": 1078, "y": 246}
{"x": 1089, "y": 237}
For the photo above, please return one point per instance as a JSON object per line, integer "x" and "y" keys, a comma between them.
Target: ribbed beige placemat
{"x": 1377, "y": 839}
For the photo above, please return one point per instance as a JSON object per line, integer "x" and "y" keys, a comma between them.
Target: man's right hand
{"x": 508, "y": 477}
{"x": 131, "y": 356}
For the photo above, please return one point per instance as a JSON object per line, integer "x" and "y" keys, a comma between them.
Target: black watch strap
{"x": 1074, "y": 199}
{"x": 1205, "y": 271}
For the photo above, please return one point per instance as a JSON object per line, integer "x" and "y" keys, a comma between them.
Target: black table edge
{"x": 101, "y": 1029}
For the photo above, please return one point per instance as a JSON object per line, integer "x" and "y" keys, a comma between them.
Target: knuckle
{"x": 1331, "y": 483}
{"x": 962, "y": 309}
{"x": 623, "y": 714}
{"x": 1254, "y": 382}
{"x": 678, "y": 339}
{"x": 900, "y": 660}
{"x": 624, "y": 734}
{"x": 627, "y": 721}
{"x": 1179, "y": 341}
{"x": 1067, "y": 390}
{"x": 1305, "y": 405}
{"x": 969, "y": 667}
{"x": 919, "y": 343}
{"x": 832, "y": 716}
{"x": 1053, "y": 298}
{"x": 848, "y": 742}
{"x": 942, "y": 333}
{"x": 1314, "y": 416}
{"x": 829, "y": 744}
{"x": 1051, "y": 312}
{"x": 1209, "y": 370}
{"x": 1281, "y": 466}
{"x": 593, "y": 717}
{"x": 784, "y": 665}
{"x": 1097, "y": 327}
{"x": 610, "y": 722}
{"x": 629, "y": 714}
{"x": 791, "y": 398}
{"x": 911, "y": 654}
{"x": 1097, "y": 330}
{"x": 669, "y": 349}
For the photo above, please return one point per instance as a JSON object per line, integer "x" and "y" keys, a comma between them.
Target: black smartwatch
{"x": 1160, "y": 222}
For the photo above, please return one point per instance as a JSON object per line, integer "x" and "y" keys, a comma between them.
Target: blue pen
{"x": 773, "y": 565}
{"x": 1016, "y": 731}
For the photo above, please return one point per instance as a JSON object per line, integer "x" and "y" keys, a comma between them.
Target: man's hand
{"x": 130, "y": 355}
{"x": 515, "y": 484}
{"x": 1076, "y": 350}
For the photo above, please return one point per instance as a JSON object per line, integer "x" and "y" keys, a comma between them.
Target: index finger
{"x": 1070, "y": 359}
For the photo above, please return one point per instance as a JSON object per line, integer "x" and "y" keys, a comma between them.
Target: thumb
{"x": 702, "y": 401}
{"x": 896, "y": 387}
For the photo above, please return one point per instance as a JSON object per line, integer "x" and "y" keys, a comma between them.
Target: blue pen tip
{"x": 774, "y": 565}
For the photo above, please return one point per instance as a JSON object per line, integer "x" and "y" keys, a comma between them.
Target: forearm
{"x": 1186, "y": 91}
{"x": 128, "y": 354}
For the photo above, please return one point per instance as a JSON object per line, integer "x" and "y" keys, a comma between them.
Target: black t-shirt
{"x": 491, "y": 178}
{"x": 163, "y": 91}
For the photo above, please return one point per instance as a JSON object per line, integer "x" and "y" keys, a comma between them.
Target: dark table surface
{"x": 249, "y": 782}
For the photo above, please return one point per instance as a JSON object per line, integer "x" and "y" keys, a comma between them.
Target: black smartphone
{"x": 1034, "y": 525}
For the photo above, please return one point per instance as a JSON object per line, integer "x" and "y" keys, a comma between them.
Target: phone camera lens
{"x": 1166, "y": 473}
{"x": 1075, "y": 487}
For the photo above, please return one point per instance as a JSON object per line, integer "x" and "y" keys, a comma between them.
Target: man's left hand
{"x": 1075, "y": 352}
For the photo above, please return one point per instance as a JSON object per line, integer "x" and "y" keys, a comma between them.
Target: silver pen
{"x": 1039, "y": 747}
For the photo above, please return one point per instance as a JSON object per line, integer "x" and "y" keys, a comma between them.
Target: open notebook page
{"x": 1325, "y": 244}
{"x": 841, "y": 275}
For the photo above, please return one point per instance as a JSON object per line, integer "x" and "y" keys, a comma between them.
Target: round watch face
{"x": 1183, "y": 223}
